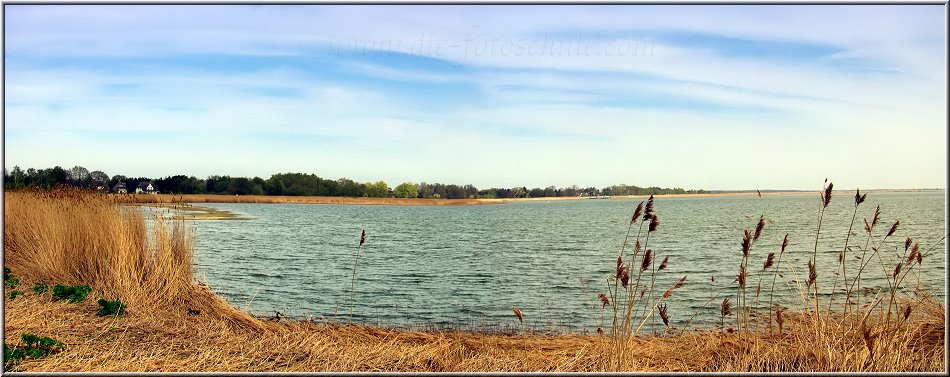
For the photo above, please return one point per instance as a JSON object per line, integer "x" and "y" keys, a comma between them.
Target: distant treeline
{"x": 300, "y": 184}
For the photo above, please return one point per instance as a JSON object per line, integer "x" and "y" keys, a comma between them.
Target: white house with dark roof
{"x": 146, "y": 188}
{"x": 99, "y": 186}
{"x": 119, "y": 188}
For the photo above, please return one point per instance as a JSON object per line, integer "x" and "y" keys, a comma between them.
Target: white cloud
{"x": 548, "y": 119}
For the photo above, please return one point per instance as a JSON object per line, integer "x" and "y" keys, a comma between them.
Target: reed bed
{"x": 175, "y": 323}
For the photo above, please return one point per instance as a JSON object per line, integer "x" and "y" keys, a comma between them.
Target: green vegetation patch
{"x": 32, "y": 347}
{"x": 14, "y": 294}
{"x": 73, "y": 293}
{"x": 40, "y": 288}
{"x": 8, "y": 280}
{"x": 110, "y": 308}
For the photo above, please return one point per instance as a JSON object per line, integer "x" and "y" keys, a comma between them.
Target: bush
{"x": 110, "y": 308}
{"x": 9, "y": 281}
{"x": 33, "y": 347}
{"x": 40, "y": 288}
{"x": 73, "y": 293}
{"x": 15, "y": 294}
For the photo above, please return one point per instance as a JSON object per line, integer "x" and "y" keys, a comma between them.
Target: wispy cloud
{"x": 514, "y": 95}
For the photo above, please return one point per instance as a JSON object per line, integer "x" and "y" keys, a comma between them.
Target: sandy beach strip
{"x": 271, "y": 199}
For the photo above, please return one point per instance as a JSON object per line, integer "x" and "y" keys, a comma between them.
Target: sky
{"x": 699, "y": 97}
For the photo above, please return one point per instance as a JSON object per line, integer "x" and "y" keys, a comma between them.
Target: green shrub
{"x": 110, "y": 308}
{"x": 8, "y": 280}
{"x": 40, "y": 288}
{"x": 73, "y": 293}
{"x": 14, "y": 294}
{"x": 33, "y": 347}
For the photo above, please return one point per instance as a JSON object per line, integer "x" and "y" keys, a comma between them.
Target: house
{"x": 146, "y": 188}
{"x": 120, "y": 188}
{"x": 99, "y": 186}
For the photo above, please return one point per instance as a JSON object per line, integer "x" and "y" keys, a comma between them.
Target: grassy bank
{"x": 174, "y": 323}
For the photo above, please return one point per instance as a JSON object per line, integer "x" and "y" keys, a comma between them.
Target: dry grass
{"x": 71, "y": 238}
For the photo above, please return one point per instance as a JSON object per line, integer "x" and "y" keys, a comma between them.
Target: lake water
{"x": 467, "y": 266}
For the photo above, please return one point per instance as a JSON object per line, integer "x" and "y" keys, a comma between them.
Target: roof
{"x": 144, "y": 185}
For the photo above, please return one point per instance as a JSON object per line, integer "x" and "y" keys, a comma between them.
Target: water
{"x": 467, "y": 266}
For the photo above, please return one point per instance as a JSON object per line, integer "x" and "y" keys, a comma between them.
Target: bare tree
{"x": 78, "y": 173}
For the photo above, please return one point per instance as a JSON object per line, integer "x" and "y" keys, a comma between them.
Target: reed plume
{"x": 636, "y": 213}
{"x": 858, "y": 198}
{"x": 654, "y": 223}
{"x": 648, "y": 211}
{"x": 624, "y": 277}
{"x": 679, "y": 284}
{"x": 769, "y": 261}
{"x": 663, "y": 263}
{"x": 518, "y": 314}
{"x": 746, "y": 243}
{"x": 646, "y": 261}
{"x": 724, "y": 311}
{"x": 603, "y": 300}
{"x": 620, "y": 267}
{"x": 893, "y": 229}
{"x": 664, "y": 315}
{"x": 758, "y": 228}
{"x": 827, "y": 197}
{"x": 812, "y": 273}
{"x": 913, "y": 253}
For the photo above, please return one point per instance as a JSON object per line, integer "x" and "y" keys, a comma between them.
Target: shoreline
{"x": 277, "y": 199}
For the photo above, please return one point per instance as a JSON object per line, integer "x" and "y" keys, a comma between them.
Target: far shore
{"x": 268, "y": 199}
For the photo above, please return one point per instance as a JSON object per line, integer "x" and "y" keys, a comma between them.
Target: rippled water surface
{"x": 467, "y": 266}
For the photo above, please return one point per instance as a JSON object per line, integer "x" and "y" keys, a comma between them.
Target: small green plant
{"x": 8, "y": 280}
{"x": 40, "y": 288}
{"x": 12, "y": 356}
{"x": 33, "y": 347}
{"x": 14, "y": 294}
{"x": 110, "y": 308}
{"x": 73, "y": 293}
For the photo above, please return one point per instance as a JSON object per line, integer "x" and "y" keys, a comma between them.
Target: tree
{"x": 406, "y": 190}
{"x": 116, "y": 179}
{"x": 78, "y": 174}
{"x": 18, "y": 177}
{"x": 99, "y": 175}
{"x": 377, "y": 190}
{"x": 244, "y": 186}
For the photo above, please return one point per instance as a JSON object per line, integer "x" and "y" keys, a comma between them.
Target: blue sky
{"x": 713, "y": 97}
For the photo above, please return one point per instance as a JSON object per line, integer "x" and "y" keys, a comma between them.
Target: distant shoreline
{"x": 271, "y": 199}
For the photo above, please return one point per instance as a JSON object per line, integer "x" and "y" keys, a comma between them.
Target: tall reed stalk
{"x": 356, "y": 261}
